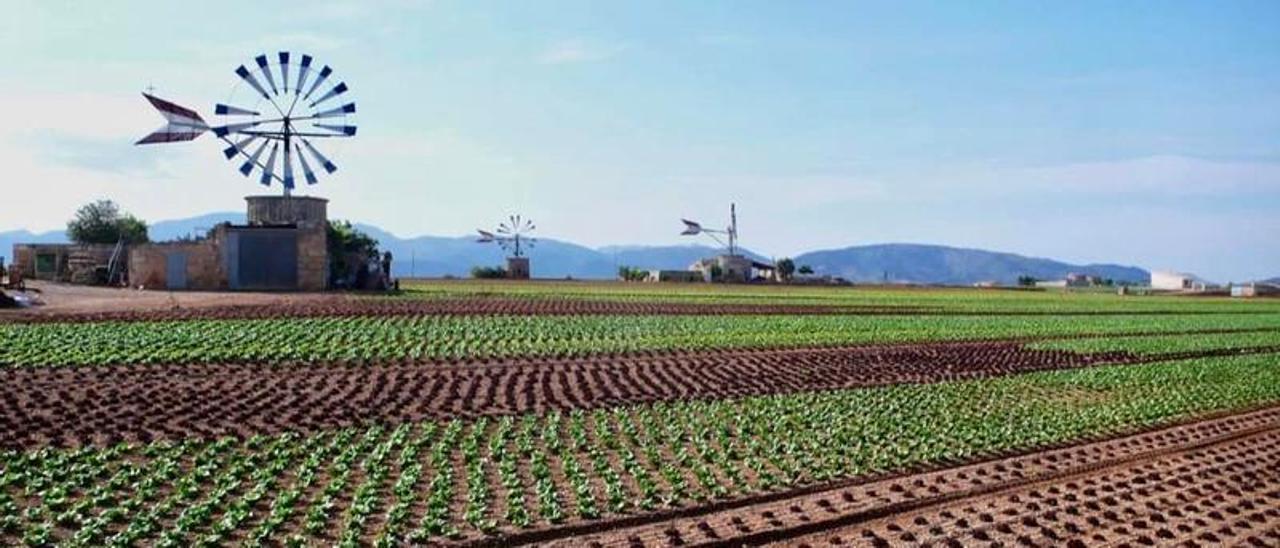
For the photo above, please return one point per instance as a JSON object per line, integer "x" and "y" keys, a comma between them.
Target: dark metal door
{"x": 268, "y": 259}
{"x": 175, "y": 270}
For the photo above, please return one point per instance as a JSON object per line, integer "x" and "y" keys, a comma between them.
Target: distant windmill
{"x": 513, "y": 236}
{"x": 692, "y": 228}
{"x": 285, "y": 107}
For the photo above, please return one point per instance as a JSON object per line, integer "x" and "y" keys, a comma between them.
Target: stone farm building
{"x": 282, "y": 246}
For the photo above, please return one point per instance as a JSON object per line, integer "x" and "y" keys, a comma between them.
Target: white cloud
{"x": 577, "y": 51}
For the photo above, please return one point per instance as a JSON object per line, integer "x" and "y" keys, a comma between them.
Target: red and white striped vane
{"x": 295, "y": 115}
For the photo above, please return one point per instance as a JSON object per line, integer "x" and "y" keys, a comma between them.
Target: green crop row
{"x": 950, "y": 299}
{"x": 443, "y": 337}
{"x": 388, "y": 485}
{"x": 1167, "y": 343}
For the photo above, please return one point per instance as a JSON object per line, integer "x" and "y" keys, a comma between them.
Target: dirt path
{"x": 1212, "y": 482}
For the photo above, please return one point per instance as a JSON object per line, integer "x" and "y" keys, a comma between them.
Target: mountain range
{"x": 434, "y": 256}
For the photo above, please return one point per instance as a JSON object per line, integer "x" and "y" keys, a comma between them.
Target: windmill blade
{"x": 320, "y": 159}
{"x": 182, "y": 124}
{"x": 324, "y": 75}
{"x": 303, "y": 69}
{"x": 270, "y": 170}
{"x": 222, "y": 131}
{"x": 284, "y": 73}
{"x": 266, "y": 71}
{"x": 343, "y": 110}
{"x": 306, "y": 168}
{"x": 228, "y": 110}
{"x": 345, "y": 130}
{"x": 238, "y": 148}
{"x": 288, "y": 167}
{"x": 691, "y": 228}
{"x": 247, "y": 76}
{"x": 336, "y": 91}
{"x": 247, "y": 166}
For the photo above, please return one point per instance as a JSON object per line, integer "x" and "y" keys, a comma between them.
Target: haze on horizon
{"x": 1126, "y": 132}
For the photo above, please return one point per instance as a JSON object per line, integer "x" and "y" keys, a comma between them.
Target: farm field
{"x": 556, "y": 412}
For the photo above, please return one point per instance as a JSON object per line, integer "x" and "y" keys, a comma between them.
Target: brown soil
{"x": 1208, "y": 483}
{"x": 101, "y": 405}
{"x": 78, "y": 304}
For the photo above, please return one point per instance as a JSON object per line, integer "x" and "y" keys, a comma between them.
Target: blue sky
{"x": 1145, "y": 133}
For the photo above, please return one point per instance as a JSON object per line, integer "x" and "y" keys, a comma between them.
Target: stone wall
{"x": 87, "y": 257}
{"x": 313, "y": 258}
{"x": 294, "y": 210}
{"x": 148, "y": 264}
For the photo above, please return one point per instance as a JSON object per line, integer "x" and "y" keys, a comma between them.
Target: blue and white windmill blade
{"x": 320, "y": 159}
{"x": 248, "y": 77}
{"x": 336, "y": 91}
{"x": 284, "y": 69}
{"x": 228, "y": 110}
{"x": 223, "y": 131}
{"x": 306, "y": 168}
{"x": 345, "y": 130}
{"x": 247, "y": 166}
{"x": 303, "y": 69}
{"x": 269, "y": 171}
{"x": 266, "y": 71}
{"x": 349, "y": 108}
{"x": 238, "y": 148}
{"x": 324, "y": 75}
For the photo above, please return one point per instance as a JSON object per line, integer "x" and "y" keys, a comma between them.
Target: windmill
{"x": 279, "y": 111}
{"x": 513, "y": 236}
{"x": 730, "y": 266}
{"x": 692, "y": 228}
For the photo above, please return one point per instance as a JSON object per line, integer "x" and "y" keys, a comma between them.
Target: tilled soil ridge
{"x": 1211, "y": 482}
{"x": 106, "y": 404}
{"x": 343, "y": 306}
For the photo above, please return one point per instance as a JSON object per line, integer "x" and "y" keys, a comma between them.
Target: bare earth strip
{"x": 105, "y": 404}
{"x": 75, "y": 304}
{"x": 1212, "y": 482}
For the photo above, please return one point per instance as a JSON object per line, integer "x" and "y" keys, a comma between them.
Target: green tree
{"x": 786, "y": 268}
{"x": 1026, "y": 281}
{"x": 488, "y": 272}
{"x": 632, "y": 274}
{"x": 350, "y": 250}
{"x": 805, "y": 269}
{"x": 101, "y": 222}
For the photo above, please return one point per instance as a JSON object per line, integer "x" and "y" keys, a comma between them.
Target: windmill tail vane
{"x": 276, "y": 134}
{"x": 181, "y": 123}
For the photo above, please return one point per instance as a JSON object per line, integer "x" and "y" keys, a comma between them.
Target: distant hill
{"x": 434, "y": 256}
{"x": 935, "y": 264}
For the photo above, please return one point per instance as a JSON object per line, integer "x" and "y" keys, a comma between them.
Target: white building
{"x": 1177, "y": 281}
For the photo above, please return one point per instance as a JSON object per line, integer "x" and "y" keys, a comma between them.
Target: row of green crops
{"x": 1167, "y": 343}
{"x": 386, "y": 484}
{"x": 952, "y": 299}
{"x": 371, "y": 338}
